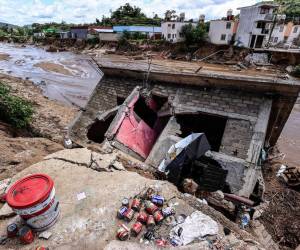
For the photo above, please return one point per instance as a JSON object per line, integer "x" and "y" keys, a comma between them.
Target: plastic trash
{"x": 281, "y": 170}
{"x": 195, "y": 227}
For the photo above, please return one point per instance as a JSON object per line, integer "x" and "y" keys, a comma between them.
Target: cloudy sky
{"x": 22, "y": 12}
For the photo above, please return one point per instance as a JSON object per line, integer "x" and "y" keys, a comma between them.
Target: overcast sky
{"x": 22, "y": 12}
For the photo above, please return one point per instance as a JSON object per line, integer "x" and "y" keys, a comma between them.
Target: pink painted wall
{"x": 138, "y": 136}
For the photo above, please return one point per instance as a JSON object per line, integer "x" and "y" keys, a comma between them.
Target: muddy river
{"x": 63, "y": 76}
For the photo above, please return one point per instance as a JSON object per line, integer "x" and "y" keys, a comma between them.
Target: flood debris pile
{"x": 155, "y": 220}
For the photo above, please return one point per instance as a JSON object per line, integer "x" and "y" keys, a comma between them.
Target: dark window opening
{"x": 259, "y": 41}
{"x": 98, "y": 129}
{"x": 145, "y": 113}
{"x": 159, "y": 101}
{"x": 120, "y": 100}
{"x": 212, "y": 126}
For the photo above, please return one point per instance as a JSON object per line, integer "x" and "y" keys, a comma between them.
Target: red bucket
{"x": 33, "y": 198}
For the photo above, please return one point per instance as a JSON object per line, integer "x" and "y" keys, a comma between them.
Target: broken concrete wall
{"x": 240, "y": 108}
{"x": 242, "y": 176}
{"x": 105, "y": 97}
{"x": 167, "y": 138}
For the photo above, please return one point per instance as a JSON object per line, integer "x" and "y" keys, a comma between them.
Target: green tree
{"x": 126, "y": 11}
{"x": 194, "y": 35}
{"x": 290, "y": 7}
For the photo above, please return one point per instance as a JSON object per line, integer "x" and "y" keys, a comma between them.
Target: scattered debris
{"x": 81, "y": 196}
{"x": 45, "y": 235}
{"x": 195, "y": 226}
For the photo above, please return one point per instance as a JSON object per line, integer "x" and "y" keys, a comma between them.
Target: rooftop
{"x": 199, "y": 73}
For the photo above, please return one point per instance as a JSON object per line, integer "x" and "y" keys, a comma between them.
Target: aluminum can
{"x": 142, "y": 217}
{"x": 129, "y": 214}
{"x": 158, "y": 217}
{"x": 158, "y": 200}
{"x": 26, "y": 235}
{"x": 150, "y": 222}
{"x": 121, "y": 212}
{"x": 123, "y": 232}
{"x": 125, "y": 202}
{"x": 136, "y": 204}
{"x": 136, "y": 228}
{"x": 150, "y": 207}
{"x": 12, "y": 230}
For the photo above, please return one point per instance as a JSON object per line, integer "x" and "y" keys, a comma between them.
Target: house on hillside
{"x": 294, "y": 36}
{"x": 255, "y": 24}
{"x": 79, "y": 32}
{"x": 64, "y": 34}
{"x": 171, "y": 29}
{"x": 104, "y": 33}
{"x": 152, "y": 32}
{"x": 222, "y": 31}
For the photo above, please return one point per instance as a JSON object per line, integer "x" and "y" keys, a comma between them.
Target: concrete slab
{"x": 80, "y": 156}
{"x": 91, "y": 222}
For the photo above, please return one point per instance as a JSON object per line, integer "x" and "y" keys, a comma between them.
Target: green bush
{"x": 13, "y": 109}
{"x": 296, "y": 71}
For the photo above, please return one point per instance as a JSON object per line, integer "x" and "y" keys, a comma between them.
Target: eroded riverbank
{"x": 63, "y": 76}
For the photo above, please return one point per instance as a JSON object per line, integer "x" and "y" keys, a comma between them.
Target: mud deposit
{"x": 289, "y": 141}
{"x": 63, "y": 76}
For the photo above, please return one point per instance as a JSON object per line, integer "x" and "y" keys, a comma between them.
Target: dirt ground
{"x": 20, "y": 149}
{"x": 4, "y": 56}
{"x": 53, "y": 67}
{"x": 282, "y": 217}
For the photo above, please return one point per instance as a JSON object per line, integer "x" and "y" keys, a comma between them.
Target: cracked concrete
{"x": 79, "y": 156}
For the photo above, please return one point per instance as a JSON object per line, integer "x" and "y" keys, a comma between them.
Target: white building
{"x": 171, "y": 30}
{"x": 254, "y": 24}
{"x": 222, "y": 31}
{"x": 278, "y": 34}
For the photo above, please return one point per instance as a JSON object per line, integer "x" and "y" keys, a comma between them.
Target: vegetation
{"x": 128, "y": 15}
{"x": 291, "y": 8}
{"x": 14, "y": 110}
{"x": 296, "y": 71}
{"x": 194, "y": 35}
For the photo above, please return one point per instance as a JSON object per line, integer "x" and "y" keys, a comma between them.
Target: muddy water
{"x": 289, "y": 141}
{"x": 63, "y": 76}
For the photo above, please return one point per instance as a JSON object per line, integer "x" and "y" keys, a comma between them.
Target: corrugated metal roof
{"x": 147, "y": 29}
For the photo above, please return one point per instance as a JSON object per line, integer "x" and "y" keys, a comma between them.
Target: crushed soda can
{"x": 129, "y": 214}
{"x": 123, "y": 232}
{"x": 12, "y": 230}
{"x": 121, "y": 212}
{"x": 158, "y": 217}
{"x": 150, "y": 207}
{"x": 168, "y": 211}
{"x": 136, "y": 228}
{"x": 125, "y": 202}
{"x": 150, "y": 222}
{"x": 26, "y": 235}
{"x": 158, "y": 200}
{"x": 161, "y": 242}
{"x": 142, "y": 217}
{"x": 136, "y": 204}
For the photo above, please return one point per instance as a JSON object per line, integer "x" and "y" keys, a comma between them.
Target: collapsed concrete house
{"x": 239, "y": 114}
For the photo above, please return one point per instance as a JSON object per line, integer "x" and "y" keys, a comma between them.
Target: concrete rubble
{"x": 92, "y": 221}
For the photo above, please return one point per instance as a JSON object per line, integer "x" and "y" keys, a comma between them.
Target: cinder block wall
{"x": 240, "y": 108}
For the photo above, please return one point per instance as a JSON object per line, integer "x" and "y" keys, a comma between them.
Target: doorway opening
{"x": 213, "y": 127}
{"x": 97, "y": 130}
